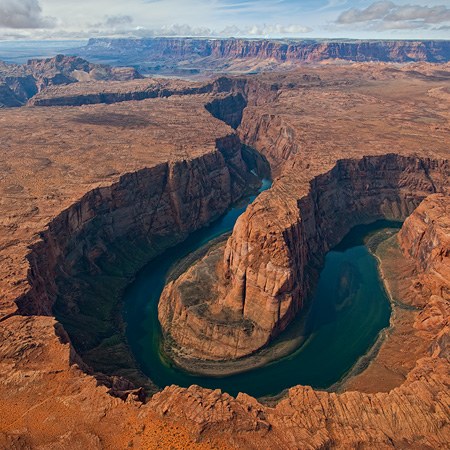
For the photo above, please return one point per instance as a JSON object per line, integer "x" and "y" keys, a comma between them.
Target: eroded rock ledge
{"x": 240, "y": 296}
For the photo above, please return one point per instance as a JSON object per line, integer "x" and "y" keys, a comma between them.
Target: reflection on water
{"x": 348, "y": 309}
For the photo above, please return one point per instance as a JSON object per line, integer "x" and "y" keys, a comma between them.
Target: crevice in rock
{"x": 228, "y": 109}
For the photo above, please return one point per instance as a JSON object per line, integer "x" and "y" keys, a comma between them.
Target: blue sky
{"x": 249, "y": 18}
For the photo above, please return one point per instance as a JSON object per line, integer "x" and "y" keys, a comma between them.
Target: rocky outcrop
{"x": 312, "y": 419}
{"x": 268, "y": 268}
{"x": 25, "y": 81}
{"x": 425, "y": 237}
{"x": 227, "y": 107}
{"x": 77, "y": 69}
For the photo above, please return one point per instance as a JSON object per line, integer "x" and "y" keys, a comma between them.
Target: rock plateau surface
{"x": 18, "y": 83}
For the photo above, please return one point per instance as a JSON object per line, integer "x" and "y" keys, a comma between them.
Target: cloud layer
{"x": 388, "y": 15}
{"x": 21, "y": 14}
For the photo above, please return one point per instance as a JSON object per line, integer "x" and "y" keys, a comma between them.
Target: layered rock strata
{"x": 173, "y": 49}
{"x": 268, "y": 269}
{"x": 162, "y": 203}
{"x": 80, "y": 265}
{"x": 424, "y": 237}
{"x": 232, "y": 103}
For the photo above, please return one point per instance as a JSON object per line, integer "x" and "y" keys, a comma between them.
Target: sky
{"x": 80, "y": 19}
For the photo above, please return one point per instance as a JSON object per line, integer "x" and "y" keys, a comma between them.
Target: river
{"x": 349, "y": 308}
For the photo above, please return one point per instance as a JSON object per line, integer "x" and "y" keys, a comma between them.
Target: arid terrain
{"x": 98, "y": 177}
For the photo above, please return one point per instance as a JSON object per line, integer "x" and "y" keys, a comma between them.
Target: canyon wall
{"x": 425, "y": 238}
{"x": 279, "y": 50}
{"x": 271, "y": 134}
{"x": 89, "y": 253}
{"x": 269, "y": 267}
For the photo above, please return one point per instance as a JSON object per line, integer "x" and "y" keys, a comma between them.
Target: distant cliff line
{"x": 399, "y": 51}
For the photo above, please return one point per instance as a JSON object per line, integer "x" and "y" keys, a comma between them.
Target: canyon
{"x": 91, "y": 191}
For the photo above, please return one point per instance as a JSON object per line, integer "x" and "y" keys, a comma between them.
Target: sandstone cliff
{"x": 150, "y": 210}
{"x": 279, "y": 50}
{"x": 227, "y": 107}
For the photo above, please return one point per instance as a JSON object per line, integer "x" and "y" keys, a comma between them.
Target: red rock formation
{"x": 403, "y": 417}
{"x": 269, "y": 268}
{"x": 151, "y": 209}
{"x": 228, "y": 107}
{"x": 21, "y": 82}
{"x": 424, "y": 237}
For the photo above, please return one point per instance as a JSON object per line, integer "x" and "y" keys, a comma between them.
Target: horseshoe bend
{"x": 106, "y": 183}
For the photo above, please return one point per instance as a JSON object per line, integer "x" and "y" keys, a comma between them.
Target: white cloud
{"x": 119, "y": 20}
{"x": 376, "y": 10}
{"x": 388, "y": 15}
{"x": 277, "y": 30}
{"x": 433, "y": 14}
{"x": 20, "y": 14}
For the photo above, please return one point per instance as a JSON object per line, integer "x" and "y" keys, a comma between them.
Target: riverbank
{"x": 398, "y": 348}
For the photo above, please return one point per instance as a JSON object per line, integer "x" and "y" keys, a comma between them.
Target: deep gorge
{"x": 92, "y": 250}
